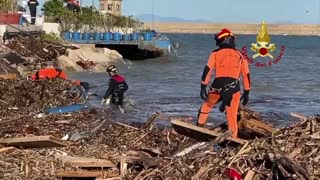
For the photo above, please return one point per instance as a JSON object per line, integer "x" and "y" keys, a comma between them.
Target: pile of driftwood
{"x": 19, "y": 125}
{"x": 35, "y": 157}
{"x": 120, "y": 151}
{"x": 291, "y": 152}
{"x": 36, "y": 95}
{"x": 34, "y": 47}
{"x": 27, "y": 164}
{"x": 108, "y": 144}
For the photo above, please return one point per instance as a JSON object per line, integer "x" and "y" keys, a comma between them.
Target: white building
{"x": 111, "y": 7}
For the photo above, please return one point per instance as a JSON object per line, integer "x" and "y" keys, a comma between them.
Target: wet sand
{"x": 275, "y": 29}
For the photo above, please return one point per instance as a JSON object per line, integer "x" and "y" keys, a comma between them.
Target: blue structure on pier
{"x": 145, "y": 40}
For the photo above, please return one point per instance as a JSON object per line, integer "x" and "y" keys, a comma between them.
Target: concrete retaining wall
{"x": 51, "y": 28}
{"x": 47, "y": 27}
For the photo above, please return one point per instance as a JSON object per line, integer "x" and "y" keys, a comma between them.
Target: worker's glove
{"x": 245, "y": 97}
{"x": 105, "y": 101}
{"x": 203, "y": 92}
{"x": 102, "y": 101}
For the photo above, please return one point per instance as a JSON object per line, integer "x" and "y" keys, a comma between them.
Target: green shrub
{"x": 5, "y": 6}
{"x": 51, "y": 38}
{"x": 88, "y": 19}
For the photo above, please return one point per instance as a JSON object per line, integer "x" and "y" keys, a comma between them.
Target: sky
{"x": 229, "y": 11}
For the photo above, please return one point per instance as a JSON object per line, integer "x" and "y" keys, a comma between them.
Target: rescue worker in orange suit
{"x": 117, "y": 86}
{"x": 52, "y": 72}
{"x": 49, "y": 73}
{"x": 228, "y": 64}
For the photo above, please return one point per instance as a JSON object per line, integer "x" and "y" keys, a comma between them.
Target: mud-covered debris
{"x": 292, "y": 152}
{"x": 34, "y": 47}
{"x": 6, "y": 69}
{"x": 36, "y": 95}
{"x": 86, "y": 64}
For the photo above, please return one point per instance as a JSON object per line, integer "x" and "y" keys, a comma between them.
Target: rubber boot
{"x": 200, "y": 125}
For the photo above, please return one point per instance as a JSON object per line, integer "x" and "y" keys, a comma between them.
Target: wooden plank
{"x": 86, "y": 174}
{"x": 113, "y": 178}
{"x": 189, "y": 149}
{"x": 82, "y": 162}
{"x": 123, "y": 167}
{"x": 249, "y": 175}
{"x": 256, "y": 126}
{"x": 33, "y": 142}
{"x": 8, "y": 76}
{"x": 150, "y": 121}
{"x": 5, "y": 149}
{"x": 92, "y": 164}
{"x": 299, "y": 116}
{"x": 196, "y": 132}
{"x": 296, "y": 151}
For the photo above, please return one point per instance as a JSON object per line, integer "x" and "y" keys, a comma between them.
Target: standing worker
{"x": 77, "y": 7}
{"x": 74, "y": 6}
{"x": 228, "y": 64}
{"x": 33, "y": 10}
{"x": 117, "y": 87}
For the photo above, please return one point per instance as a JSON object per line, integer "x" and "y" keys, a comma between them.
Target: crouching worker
{"x": 53, "y": 72}
{"x": 49, "y": 73}
{"x": 228, "y": 64}
{"x": 117, "y": 88}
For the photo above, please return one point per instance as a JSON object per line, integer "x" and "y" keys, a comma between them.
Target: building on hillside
{"x": 111, "y": 7}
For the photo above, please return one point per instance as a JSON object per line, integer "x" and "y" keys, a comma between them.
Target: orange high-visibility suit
{"x": 49, "y": 73}
{"x": 228, "y": 64}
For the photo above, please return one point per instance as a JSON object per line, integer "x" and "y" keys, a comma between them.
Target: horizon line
{"x": 235, "y": 23}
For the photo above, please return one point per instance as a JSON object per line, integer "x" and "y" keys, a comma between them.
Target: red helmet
{"x": 223, "y": 33}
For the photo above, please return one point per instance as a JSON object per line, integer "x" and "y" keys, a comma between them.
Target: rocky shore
{"x": 27, "y": 54}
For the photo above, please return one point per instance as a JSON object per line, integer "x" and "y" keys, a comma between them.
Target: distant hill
{"x": 149, "y": 18}
{"x": 157, "y": 18}
{"x": 284, "y": 22}
{"x": 210, "y": 28}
